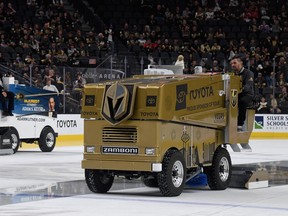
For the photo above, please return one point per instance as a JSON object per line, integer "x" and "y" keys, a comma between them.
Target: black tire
{"x": 47, "y": 140}
{"x": 172, "y": 179}
{"x": 98, "y": 181}
{"x": 15, "y": 141}
{"x": 150, "y": 181}
{"x": 219, "y": 174}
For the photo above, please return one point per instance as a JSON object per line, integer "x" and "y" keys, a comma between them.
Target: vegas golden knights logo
{"x": 118, "y": 103}
{"x": 234, "y": 97}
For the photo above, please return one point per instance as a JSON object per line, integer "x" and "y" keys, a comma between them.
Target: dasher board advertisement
{"x": 32, "y": 100}
{"x": 271, "y": 123}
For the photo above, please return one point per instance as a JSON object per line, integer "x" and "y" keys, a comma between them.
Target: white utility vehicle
{"x": 39, "y": 127}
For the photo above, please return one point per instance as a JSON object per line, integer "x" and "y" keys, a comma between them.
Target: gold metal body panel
{"x": 189, "y": 113}
{"x": 195, "y": 142}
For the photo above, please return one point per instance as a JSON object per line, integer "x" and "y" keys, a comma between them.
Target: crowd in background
{"x": 44, "y": 35}
{"x": 206, "y": 33}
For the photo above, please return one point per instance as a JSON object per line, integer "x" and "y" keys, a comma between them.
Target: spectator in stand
{"x": 263, "y": 106}
{"x": 233, "y": 3}
{"x": 209, "y": 14}
{"x": 50, "y": 87}
{"x": 101, "y": 42}
{"x": 205, "y": 47}
{"x": 47, "y": 60}
{"x": 180, "y": 61}
{"x": 252, "y": 12}
{"x": 215, "y": 66}
{"x": 159, "y": 14}
{"x": 80, "y": 81}
{"x": 58, "y": 3}
{"x": 283, "y": 67}
{"x": 273, "y": 108}
{"x": 275, "y": 27}
{"x": 149, "y": 46}
{"x": 283, "y": 97}
{"x": 195, "y": 33}
{"x": 271, "y": 80}
{"x": 283, "y": 101}
{"x": 55, "y": 30}
{"x": 280, "y": 80}
{"x": 264, "y": 27}
{"x": 141, "y": 40}
{"x": 185, "y": 31}
{"x": 219, "y": 34}
{"x": 72, "y": 49}
{"x": 50, "y": 74}
{"x": 200, "y": 15}
{"x": 260, "y": 83}
{"x": 31, "y": 3}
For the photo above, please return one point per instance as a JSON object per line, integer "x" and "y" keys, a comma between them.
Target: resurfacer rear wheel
{"x": 15, "y": 141}
{"x": 47, "y": 140}
{"x": 219, "y": 174}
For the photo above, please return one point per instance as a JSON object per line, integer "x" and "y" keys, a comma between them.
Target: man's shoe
{"x": 7, "y": 113}
{"x": 239, "y": 128}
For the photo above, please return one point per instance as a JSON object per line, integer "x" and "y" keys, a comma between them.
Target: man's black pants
{"x": 10, "y": 98}
{"x": 244, "y": 101}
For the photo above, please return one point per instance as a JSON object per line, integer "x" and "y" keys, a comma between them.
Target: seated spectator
{"x": 149, "y": 46}
{"x": 263, "y": 107}
{"x": 200, "y": 15}
{"x": 10, "y": 11}
{"x": 283, "y": 97}
{"x": 264, "y": 27}
{"x": 79, "y": 82}
{"x": 260, "y": 82}
{"x": 50, "y": 74}
{"x": 270, "y": 80}
{"x": 50, "y": 87}
{"x": 273, "y": 108}
{"x": 281, "y": 80}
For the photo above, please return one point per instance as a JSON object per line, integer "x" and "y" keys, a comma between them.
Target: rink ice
{"x": 38, "y": 183}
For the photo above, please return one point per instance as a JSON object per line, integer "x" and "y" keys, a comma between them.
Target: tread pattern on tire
{"x": 212, "y": 172}
{"x": 42, "y": 140}
{"x": 15, "y": 132}
{"x": 165, "y": 177}
{"x": 94, "y": 182}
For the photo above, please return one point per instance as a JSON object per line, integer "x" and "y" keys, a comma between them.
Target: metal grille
{"x": 119, "y": 134}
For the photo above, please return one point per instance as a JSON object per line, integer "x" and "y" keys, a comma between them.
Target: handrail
{"x": 16, "y": 74}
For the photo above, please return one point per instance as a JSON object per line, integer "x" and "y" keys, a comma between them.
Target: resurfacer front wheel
{"x": 171, "y": 180}
{"x": 98, "y": 181}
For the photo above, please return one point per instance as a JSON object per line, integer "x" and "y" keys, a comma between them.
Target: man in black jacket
{"x": 246, "y": 97}
{"x": 6, "y": 95}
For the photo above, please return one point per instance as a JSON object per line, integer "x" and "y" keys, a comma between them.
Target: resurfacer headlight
{"x": 90, "y": 149}
{"x": 150, "y": 151}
